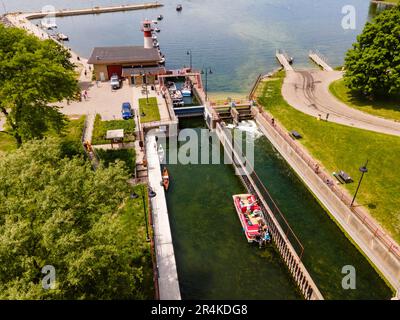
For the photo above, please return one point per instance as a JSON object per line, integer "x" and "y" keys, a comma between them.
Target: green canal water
{"x": 215, "y": 261}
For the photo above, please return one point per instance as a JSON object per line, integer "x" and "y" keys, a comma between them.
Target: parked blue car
{"x": 127, "y": 112}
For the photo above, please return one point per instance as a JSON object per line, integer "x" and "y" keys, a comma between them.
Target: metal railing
{"x": 343, "y": 196}
{"x": 283, "y": 244}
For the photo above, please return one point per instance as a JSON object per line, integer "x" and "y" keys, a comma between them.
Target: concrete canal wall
{"x": 382, "y": 257}
{"x": 165, "y": 255}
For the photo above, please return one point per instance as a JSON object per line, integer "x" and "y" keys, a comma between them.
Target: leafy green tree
{"x": 58, "y": 211}
{"x": 33, "y": 75}
{"x": 373, "y": 64}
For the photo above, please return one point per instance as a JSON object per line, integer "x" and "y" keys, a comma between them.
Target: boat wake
{"x": 249, "y": 126}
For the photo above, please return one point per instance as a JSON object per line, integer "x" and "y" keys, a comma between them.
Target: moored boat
{"x": 62, "y": 37}
{"x": 162, "y": 61}
{"x": 165, "y": 178}
{"x": 252, "y": 219}
{"x": 187, "y": 89}
{"x": 179, "y": 7}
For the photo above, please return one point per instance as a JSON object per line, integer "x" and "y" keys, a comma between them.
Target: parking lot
{"x": 101, "y": 99}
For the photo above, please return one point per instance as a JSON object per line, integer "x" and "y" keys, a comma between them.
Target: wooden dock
{"x": 93, "y": 10}
{"x": 283, "y": 60}
{"x": 320, "y": 60}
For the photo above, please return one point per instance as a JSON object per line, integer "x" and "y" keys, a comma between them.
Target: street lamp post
{"x": 207, "y": 71}
{"x": 189, "y": 53}
{"x": 152, "y": 194}
{"x": 363, "y": 171}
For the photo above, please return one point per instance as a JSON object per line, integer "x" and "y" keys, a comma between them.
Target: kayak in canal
{"x": 165, "y": 178}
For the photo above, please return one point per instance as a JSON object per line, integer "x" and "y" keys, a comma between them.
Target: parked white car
{"x": 115, "y": 82}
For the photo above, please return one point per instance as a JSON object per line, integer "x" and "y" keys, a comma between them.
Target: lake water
{"x": 236, "y": 39}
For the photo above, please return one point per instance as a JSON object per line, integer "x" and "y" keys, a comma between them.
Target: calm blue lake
{"x": 236, "y": 39}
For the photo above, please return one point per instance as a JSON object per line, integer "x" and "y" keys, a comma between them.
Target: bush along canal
{"x": 326, "y": 248}
{"x": 214, "y": 260}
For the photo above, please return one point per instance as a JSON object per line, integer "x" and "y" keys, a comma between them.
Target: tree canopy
{"x": 57, "y": 211}
{"x": 373, "y": 64}
{"x": 33, "y": 74}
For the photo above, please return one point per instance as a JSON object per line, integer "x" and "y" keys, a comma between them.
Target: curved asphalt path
{"x": 308, "y": 92}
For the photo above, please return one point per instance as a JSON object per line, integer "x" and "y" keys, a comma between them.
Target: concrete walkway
{"x": 88, "y": 134}
{"x": 374, "y": 247}
{"x": 308, "y": 92}
{"x": 167, "y": 272}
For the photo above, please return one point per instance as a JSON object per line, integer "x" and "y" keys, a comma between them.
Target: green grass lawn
{"x": 149, "y": 111}
{"x": 387, "y": 109}
{"x": 7, "y": 143}
{"x": 70, "y": 136}
{"x": 345, "y": 148}
{"x": 126, "y": 155}
{"x": 101, "y": 127}
{"x": 132, "y": 215}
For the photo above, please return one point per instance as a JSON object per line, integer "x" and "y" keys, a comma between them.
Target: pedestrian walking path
{"x": 167, "y": 272}
{"x": 88, "y": 134}
{"x": 308, "y": 92}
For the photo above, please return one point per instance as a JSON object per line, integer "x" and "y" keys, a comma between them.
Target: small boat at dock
{"x": 160, "y": 17}
{"x": 165, "y": 178}
{"x": 162, "y": 61}
{"x": 157, "y": 30}
{"x": 47, "y": 25}
{"x": 161, "y": 153}
{"x": 252, "y": 219}
{"x": 187, "y": 89}
{"x": 62, "y": 37}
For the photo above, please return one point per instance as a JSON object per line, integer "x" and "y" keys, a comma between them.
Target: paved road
{"x": 308, "y": 91}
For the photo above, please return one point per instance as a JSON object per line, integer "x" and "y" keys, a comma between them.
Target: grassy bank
{"x": 389, "y": 109}
{"x": 7, "y": 143}
{"x": 340, "y": 147}
{"x": 132, "y": 216}
{"x": 149, "y": 110}
{"x": 126, "y": 155}
{"x": 101, "y": 127}
{"x": 70, "y": 136}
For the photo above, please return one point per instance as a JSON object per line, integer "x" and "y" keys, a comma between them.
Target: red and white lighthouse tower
{"x": 147, "y": 29}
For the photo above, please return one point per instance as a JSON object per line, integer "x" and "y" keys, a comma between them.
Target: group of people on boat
{"x": 252, "y": 219}
{"x": 264, "y": 236}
